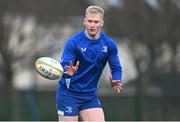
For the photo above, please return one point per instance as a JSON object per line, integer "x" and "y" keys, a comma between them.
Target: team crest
{"x": 68, "y": 109}
{"x": 104, "y": 49}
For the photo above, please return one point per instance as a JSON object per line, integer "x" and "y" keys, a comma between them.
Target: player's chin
{"x": 92, "y": 34}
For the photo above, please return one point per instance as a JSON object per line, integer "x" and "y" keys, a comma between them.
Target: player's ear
{"x": 84, "y": 21}
{"x": 102, "y": 23}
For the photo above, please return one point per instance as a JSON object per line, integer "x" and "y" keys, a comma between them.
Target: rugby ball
{"x": 49, "y": 68}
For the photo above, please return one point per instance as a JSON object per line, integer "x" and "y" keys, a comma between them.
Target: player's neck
{"x": 92, "y": 37}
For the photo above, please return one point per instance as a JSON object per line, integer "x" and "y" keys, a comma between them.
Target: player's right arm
{"x": 70, "y": 70}
{"x": 68, "y": 59}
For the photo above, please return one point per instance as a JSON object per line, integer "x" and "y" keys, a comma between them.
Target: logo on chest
{"x": 83, "y": 49}
{"x": 104, "y": 49}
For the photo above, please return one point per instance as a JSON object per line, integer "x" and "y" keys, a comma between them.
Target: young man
{"x": 84, "y": 58}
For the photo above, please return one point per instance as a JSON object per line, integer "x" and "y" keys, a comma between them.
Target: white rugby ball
{"x": 49, "y": 68}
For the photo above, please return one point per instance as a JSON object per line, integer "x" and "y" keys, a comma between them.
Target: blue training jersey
{"x": 93, "y": 56}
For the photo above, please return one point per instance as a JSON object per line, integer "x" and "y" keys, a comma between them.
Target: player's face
{"x": 93, "y": 24}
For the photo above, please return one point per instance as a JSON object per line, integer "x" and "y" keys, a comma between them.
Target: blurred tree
{"x": 5, "y": 58}
{"x": 138, "y": 21}
{"x": 26, "y": 28}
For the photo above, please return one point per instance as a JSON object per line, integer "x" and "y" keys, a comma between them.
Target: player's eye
{"x": 90, "y": 21}
{"x": 96, "y": 22}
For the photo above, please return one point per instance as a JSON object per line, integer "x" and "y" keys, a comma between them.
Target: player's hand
{"x": 116, "y": 84}
{"x": 70, "y": 70}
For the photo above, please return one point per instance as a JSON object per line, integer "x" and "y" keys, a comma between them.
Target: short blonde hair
{"x": 95, "y": 9}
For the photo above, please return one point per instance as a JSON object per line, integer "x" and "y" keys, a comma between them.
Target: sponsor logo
{"x": 49, "y": 74}
{"x": 61, "y": 112}
{"x": 83, "y": 49}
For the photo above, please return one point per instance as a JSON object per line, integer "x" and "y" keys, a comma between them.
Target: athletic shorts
{"x": 71, "y": 105}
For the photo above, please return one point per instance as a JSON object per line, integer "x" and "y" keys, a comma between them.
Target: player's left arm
{"x": 115, "y": 84}
{"x": 116, "y": 69}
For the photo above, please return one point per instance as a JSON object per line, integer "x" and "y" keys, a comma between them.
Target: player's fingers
{"x": 119, "y": 86}
{"x": 117, "y": 89}
{"x": 71, "y": 66}
{"x": 66, "y": 72}
{"x": 77, "y": 64}
{"x": 67, "y": 66}
{"x": 115, "y": 82}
